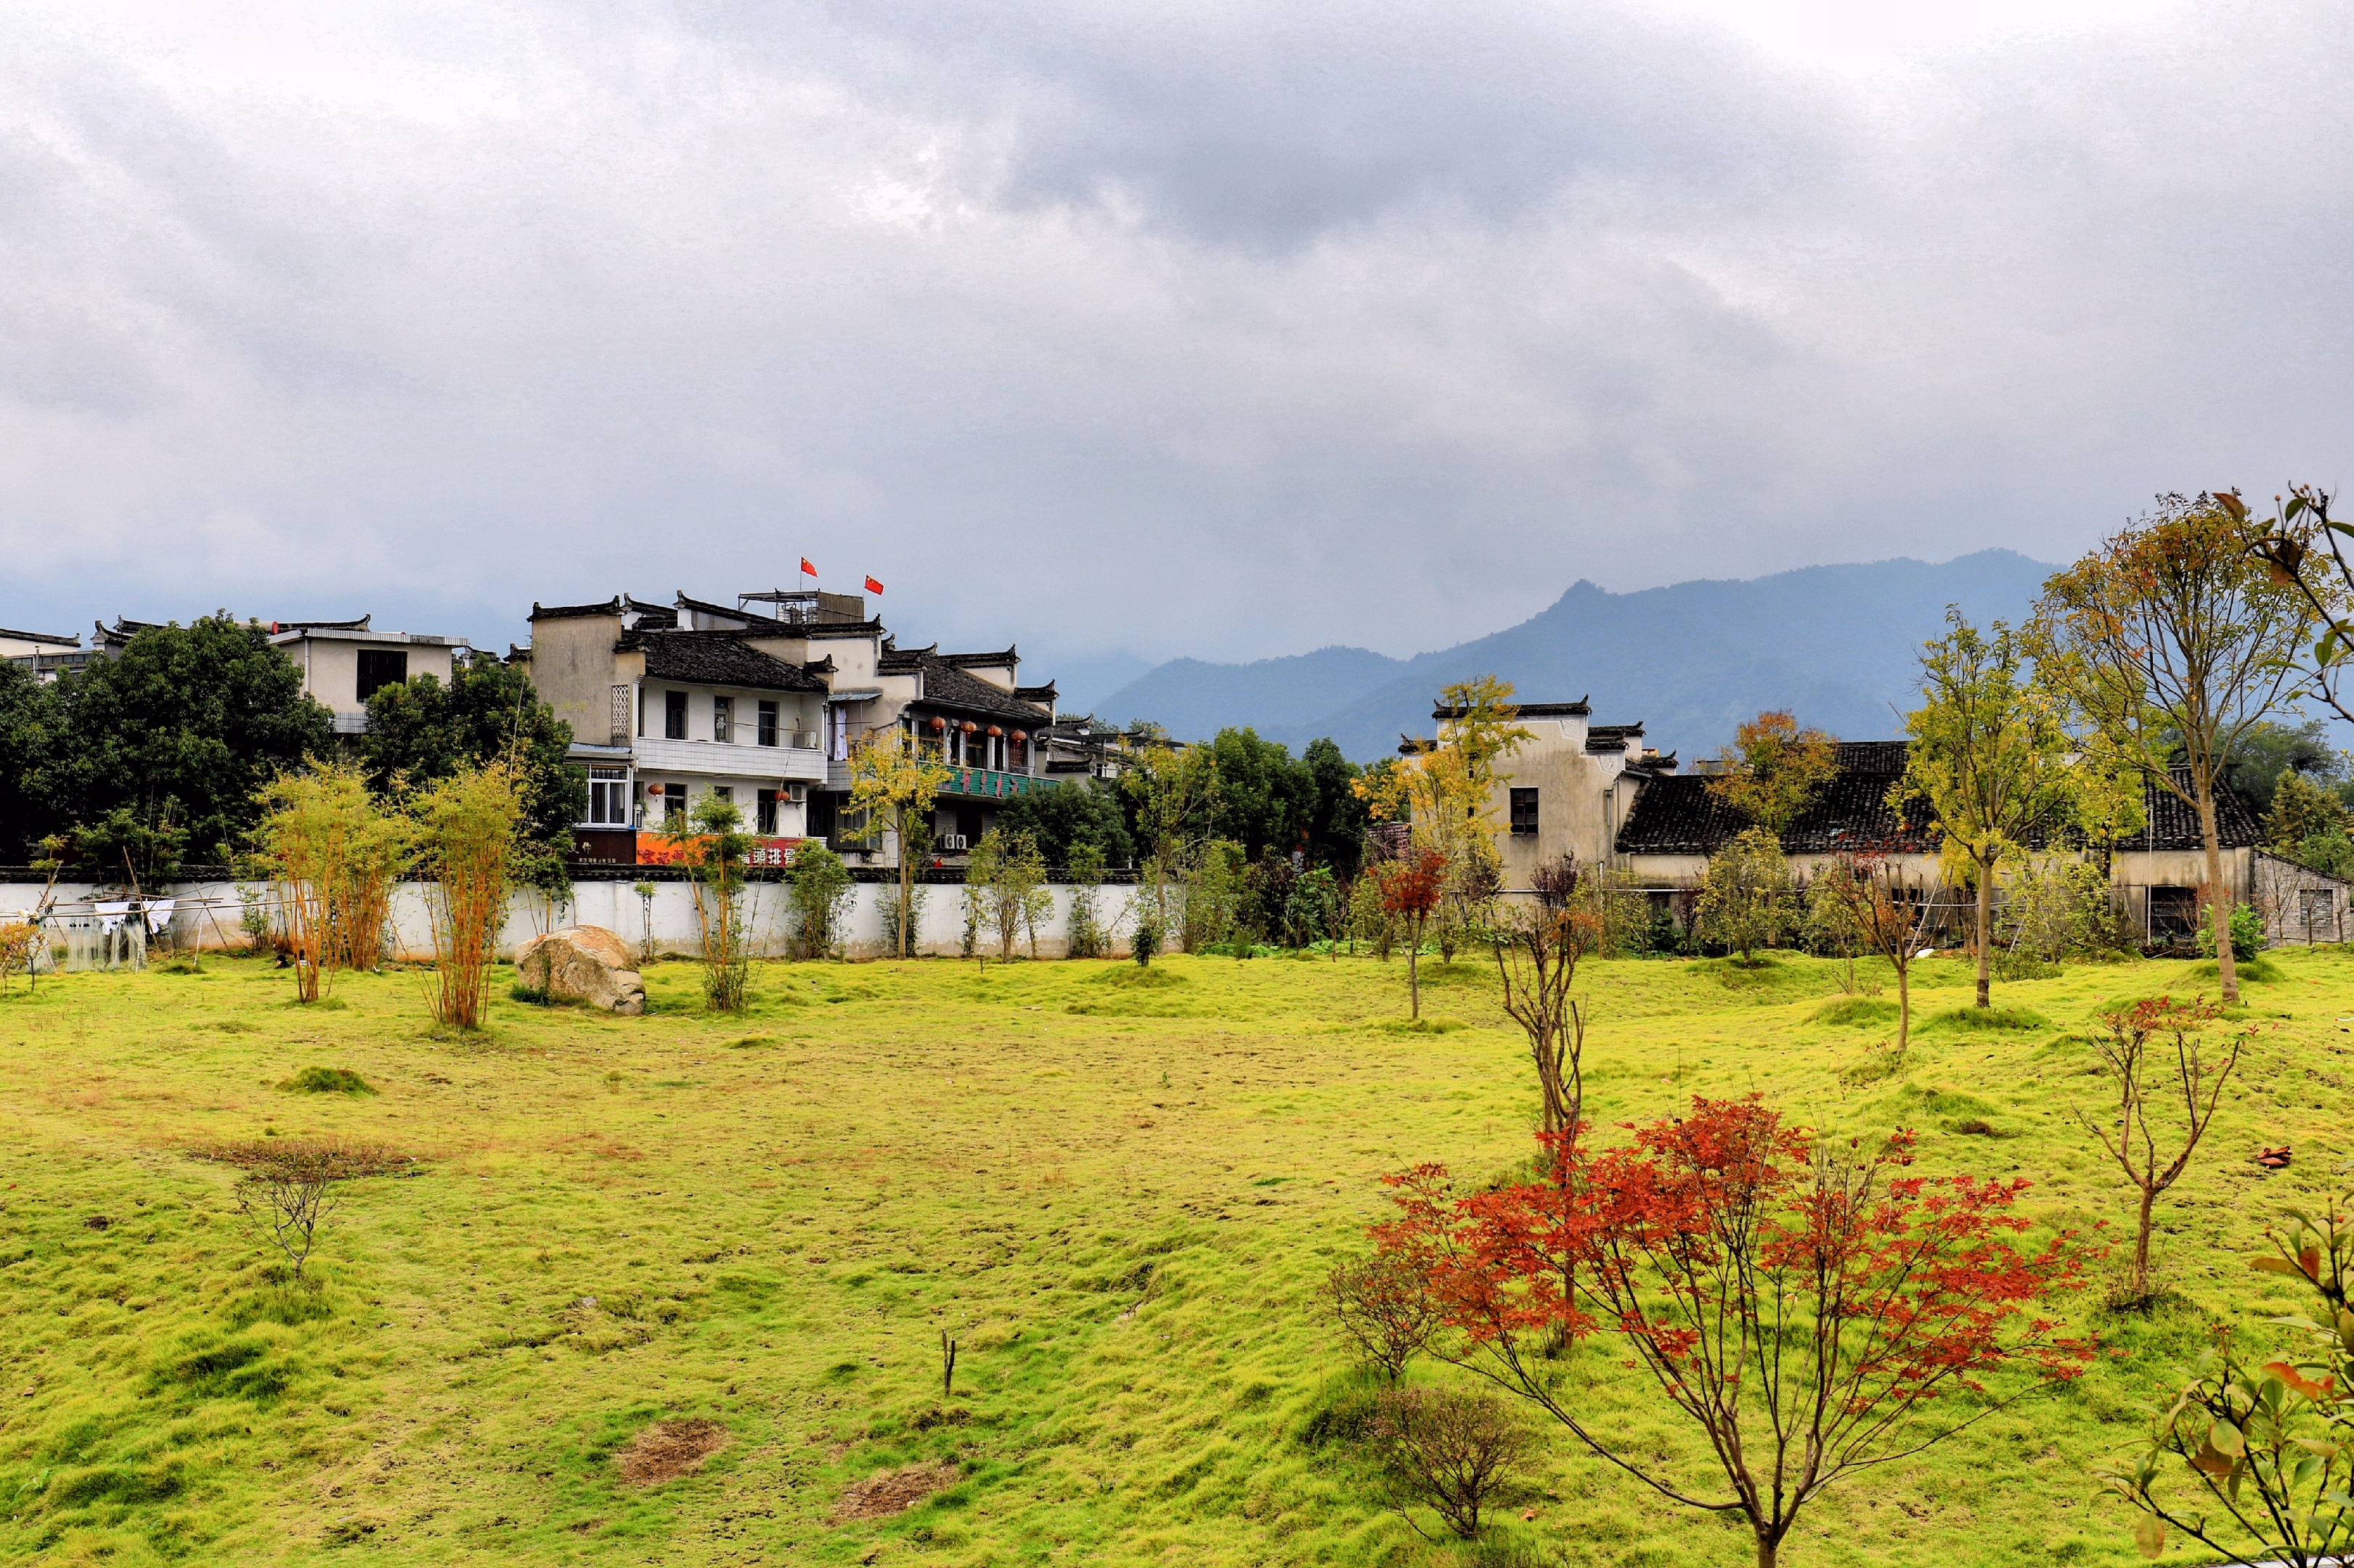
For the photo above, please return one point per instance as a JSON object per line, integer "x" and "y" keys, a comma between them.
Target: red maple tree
{"x": 1411, "y": 887}
{"x": 1803, "y": 1306}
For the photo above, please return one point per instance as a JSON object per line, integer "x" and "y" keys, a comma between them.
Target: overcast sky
{"x": 1220, "y": 329}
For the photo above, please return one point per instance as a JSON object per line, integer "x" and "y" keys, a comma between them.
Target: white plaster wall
{"x": 207, "y": 914}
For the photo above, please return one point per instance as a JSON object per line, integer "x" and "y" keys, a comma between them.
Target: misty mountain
{"x": 1836, "y": 645}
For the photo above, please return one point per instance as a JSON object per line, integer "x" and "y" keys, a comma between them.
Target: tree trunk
{"x": 1904, "y": 1004}
{"x": 907, "y": 895}
{"x": 2141, "y": 1246}
{"x": 2219, "y": 897}
{"x": 1412, "y": 973}
{"x": 1768, "y": 1552}
{"x": 1986, "y": 929}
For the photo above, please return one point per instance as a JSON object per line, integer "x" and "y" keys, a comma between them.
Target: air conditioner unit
{"x": 797, "y": 793}
{"x": 953, "y": 843}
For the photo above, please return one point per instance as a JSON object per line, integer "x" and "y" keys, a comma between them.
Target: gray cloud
{"x": 1230, "y": 332}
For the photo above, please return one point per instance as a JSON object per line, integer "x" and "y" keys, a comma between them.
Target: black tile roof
{"x": 1042, "y": 695}
{"x": 1577, "y": 709}
{"x": 1678, "y": 814}
{"x": 359, "y": 625}
{"x": 574, "y": 612}
{"x": 73, "y": 641}
{"x": 715, "y": 659}
{"x": 945, "y": 686}
{"x": 1605, "y": 738}
{"x": 1008, "y": 660}
{"x": 815, "y": 629}
{"x": 753, "y": 619}
{"x": 2174, "y": 826}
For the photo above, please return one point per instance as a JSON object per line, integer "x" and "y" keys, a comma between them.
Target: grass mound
{"x": 1140, "y": 976}
{"x": 2259, "y": 971}
{"x": 327, "y": 1081}
{"x": 1966, "y": 1020}
{"x": 1855, "y": 1011}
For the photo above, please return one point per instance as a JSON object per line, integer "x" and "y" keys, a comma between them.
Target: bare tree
{"x": 1866, "y": 895}
{"x": 2147, "y": 1091}
{"x": 1536, "y": 958}
{"x": 1383, "y": 1308}
{"x": 1451, "y": 1449}
{"x": 291, "y": 1185}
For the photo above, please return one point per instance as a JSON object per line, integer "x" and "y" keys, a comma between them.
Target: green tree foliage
{"x": 1336, "y": 825}
{"x": 1063, "y": 816}
{"x": 1990, "y": 758}
{"x": 2302, "y": 809}
{"x": 29, "y": 715}
{"x": 180, "y": 732}
{"x": 1266, "y": 799}
{"x": 1746, "y": 902}
{"x": 2266, "y": 750}
{"x": 819, "y": 900}
{"x": 420, "y": 731}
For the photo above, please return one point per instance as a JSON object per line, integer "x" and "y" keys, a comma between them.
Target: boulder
{"x": 585, "y": 964}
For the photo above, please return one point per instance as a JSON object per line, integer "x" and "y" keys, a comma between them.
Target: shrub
{"x": 1146, "y": 942}
{"x": 820, "y": 901}
{"x": 328, "y": 1081}
{"x": 1451, "y": 1450}
{"x": 291, "y": 1185}
{"x": 1382, "y": 1307}
{"x": 1087, "y": 937}
{"x": 2247, "y": 934}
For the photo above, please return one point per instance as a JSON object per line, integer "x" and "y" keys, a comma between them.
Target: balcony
{"x": 729, "y": 759}
{"x": 988, "y": 784}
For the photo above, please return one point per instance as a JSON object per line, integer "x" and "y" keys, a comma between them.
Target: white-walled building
{"x": 345, "y": 662}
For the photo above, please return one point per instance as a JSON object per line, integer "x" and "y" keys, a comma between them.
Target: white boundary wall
{"x": 209, "y": 915}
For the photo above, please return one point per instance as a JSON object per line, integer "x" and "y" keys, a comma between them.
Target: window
{"x": 723, "y": 793}
{"x": 1524, "y": 811}
{"x": 381, "y": 667}
{"x": 723, "y": 718}
{"x": 609, "y": 796}
{"x": 673, "y": 716}
{"x": 767, "y": 724}
{"x": 766, "y": 820}
{"x": 674, "y": 797}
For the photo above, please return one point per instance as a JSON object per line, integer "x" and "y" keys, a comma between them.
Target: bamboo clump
{"x": 467, "y": 827}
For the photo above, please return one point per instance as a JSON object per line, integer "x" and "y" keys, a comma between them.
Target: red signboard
{"x": 654, "y": 849}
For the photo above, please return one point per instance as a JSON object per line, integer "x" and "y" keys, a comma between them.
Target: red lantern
{"x": 1022, "y": 735}
{"x": 994, "y": 732}
{"x": 939, "y": 724}
{"x": 968, "y": 727}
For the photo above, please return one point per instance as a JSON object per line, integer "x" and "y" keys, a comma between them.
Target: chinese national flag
{"x": 808, "y": 571}
{"x": 874, "y": 587}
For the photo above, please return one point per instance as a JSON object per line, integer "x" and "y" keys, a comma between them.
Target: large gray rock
{"x": 585, "y": 964}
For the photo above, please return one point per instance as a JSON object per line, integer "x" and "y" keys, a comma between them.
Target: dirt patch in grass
{"x": 896, "y": 1492}
{"x": 669, "y": 1449}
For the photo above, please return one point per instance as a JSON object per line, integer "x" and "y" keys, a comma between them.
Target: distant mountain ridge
{"x": 1836, "y": 645}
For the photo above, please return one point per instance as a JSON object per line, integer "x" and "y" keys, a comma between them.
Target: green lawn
{"x": 1116, "y": 1188}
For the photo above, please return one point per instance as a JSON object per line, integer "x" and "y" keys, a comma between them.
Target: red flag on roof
{"x": 874, "y": 587}
{"x": 808, "y": 571}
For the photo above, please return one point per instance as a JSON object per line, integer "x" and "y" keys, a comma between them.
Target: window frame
{"x": 1524, "y": 823}
{"x": 674, "y": 714}
{"x": 397, "y": 657}
{"x": 766, "y": 719}
{"x": 723, "y": 718}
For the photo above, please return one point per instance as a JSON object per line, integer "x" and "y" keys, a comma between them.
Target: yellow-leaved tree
{"x": 2174, "y": 638}
{"x": 892, "y": 778}
{"x": 1990, "y": 757}
{"x": 1446, "y": 791}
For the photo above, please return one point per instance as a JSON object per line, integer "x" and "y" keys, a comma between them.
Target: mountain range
{"x": 1836, "y": 645}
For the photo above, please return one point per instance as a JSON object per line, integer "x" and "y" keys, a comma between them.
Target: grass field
{"x": 1116, "y": 1188}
